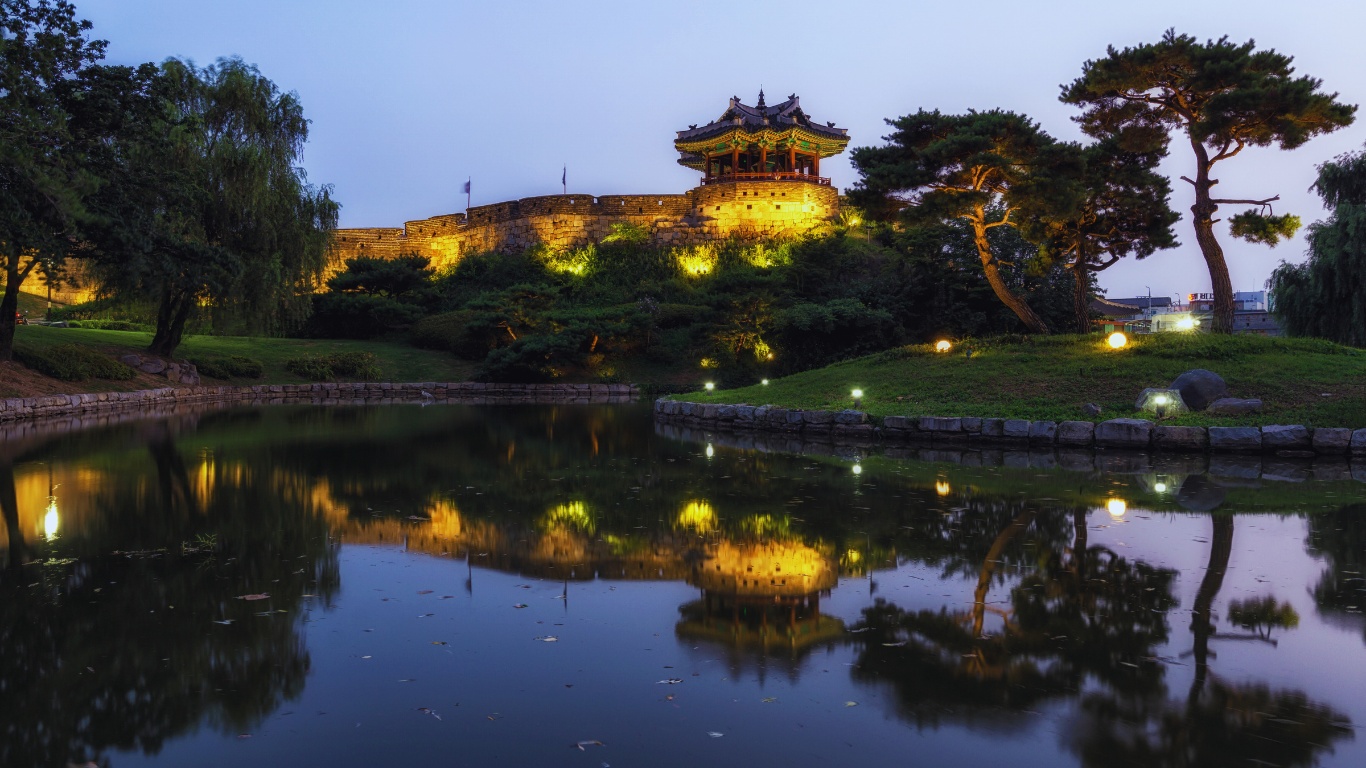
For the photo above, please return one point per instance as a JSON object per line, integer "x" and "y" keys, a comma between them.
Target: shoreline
{"x": 24, "y": 409}
{"x": 1287, "y": 441}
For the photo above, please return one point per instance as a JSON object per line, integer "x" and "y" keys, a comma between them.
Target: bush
{"x": 339, "y": 365}
{"x": 108, "y": 325}
{"x": 72, "y": 362}
{"x": 229, "y": 367}
{"x": 358, "y": 316}
{"x": 449, "y": 332}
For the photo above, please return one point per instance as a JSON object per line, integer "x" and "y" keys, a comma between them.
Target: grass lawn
{"x": 1300, "y": 381}
{"x": 397, "y": 362}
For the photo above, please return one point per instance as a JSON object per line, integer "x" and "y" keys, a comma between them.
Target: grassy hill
{"x": 1300, "y": 381}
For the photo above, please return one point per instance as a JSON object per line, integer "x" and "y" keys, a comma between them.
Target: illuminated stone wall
{"x": 748, "y": 210}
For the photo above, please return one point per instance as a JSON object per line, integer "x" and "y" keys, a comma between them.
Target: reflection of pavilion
{"x": 763, "y": 596}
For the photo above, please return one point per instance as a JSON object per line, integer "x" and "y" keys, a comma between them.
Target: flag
{"x": 564, "y": 174}
{"x": 467, "y": 186}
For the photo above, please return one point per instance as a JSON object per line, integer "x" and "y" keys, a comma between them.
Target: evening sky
{"x": 409, "y": 98}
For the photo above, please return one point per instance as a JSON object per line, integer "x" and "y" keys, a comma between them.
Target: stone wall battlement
{"x": 748, "y": 210}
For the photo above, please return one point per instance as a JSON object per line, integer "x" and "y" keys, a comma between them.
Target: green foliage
{"x": 1256, "y": 227}
{"x": 338, "y": 365}
{"x": 449, "y": 332}
{"x": 359, "y": 316}
{"x": 1326, "y": 295}
{"x": 229, "y": 366}
{"x": 72, "y": 362}
{"x": 626, "y": 233}
{"x": 108, "y": 325}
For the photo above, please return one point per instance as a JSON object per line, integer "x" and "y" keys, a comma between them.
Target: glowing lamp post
{"x": 1117, "y": 340}
{"x": 764, "y": 382}
{"x": 858, "y": 398}
{"x": 709, "y": 386}
{"x": 943, "y": 345}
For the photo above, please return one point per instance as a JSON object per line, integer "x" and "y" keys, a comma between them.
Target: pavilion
{"x": 760, "y": 143}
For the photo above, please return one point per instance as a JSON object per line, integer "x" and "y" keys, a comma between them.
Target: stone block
{"x": 1170, "y": 438}
{"x": 993, "y": 427}
{"x": 744, "y": 413}
{"x": 1234, "y": 439}
{"x": 971, "y": 424}
{"x": 1043, "y": 432}
{"x": 1015, "y": 428}
{"x": 1332, "y": 440}
{"x": 725, "y": 413}
{"x": 1124, "y": 433}
{"x": 901, "y": 423}
{"x": 818, "y": 418}
{"x": 851, "y": 417}
{"x": 1359, "y": 442}
{"x": 1073, "y": 433}
{"x": 940, "y": 424}
{"x": 776, "y": 416}
{"x": 1285, "y": 437}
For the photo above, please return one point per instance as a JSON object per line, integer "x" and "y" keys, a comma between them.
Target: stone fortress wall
{"x": 747, "y": 210}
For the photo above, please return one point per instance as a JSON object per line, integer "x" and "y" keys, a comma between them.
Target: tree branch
{"x": 1267, "y": 201}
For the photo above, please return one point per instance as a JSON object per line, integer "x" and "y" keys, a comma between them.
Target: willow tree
{"x": 43, "y": 181}
{"x": 1224, "y": 97}
{"x": 1122, "y": 211}
{"x": 980, "y": 167}
{"x": 236, "y": 225}
{"x": 1326, "y": 295}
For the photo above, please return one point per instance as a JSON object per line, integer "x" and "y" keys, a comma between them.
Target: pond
{"x": 571, "y": 585}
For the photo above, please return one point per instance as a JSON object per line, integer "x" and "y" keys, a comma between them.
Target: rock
{"x": 1359, "y": 442}
{"x": 1124, "y": 433}
{"x": 132, "y": 361}
{"x": 901, "y": 423}
{"x": 971, "y": 424}
{"x": 1285, "y": 437}
{"x": 1235, "y": 439}
{"x": 1332, "y": 440}
{"x": 1163, "y": 402}
{"x": 1181, "y": 438}
{"x": 823, "y": 418}
{"x": 1232, "y": 406}
{"x": 1199, "y": 388}
{"x": 940, "y": 424}
{"x": 1076, "y": 433}
{"x": 850, "y": 417}
{"x": 152, "y": 365}
{"x": 1092, "y": 410}
{"x": 1043, "y": 432}
{"x": 1016, "y": 429}
{"x": 996, "y": 428}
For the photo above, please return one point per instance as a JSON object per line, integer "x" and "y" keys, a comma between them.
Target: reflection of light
{"x": 1117, "y": 340}
{"x": 1116, "y": 507}
{"x": 858, "y": 469}
{"x": 942, "y": 345}
{"x": 51, "y": 520}
{"x": 1160, "y": 487}
{"x": 709, "y": 386}
{"x": 853, "y": 556}
{"x": 573, "y": 514}
{"x": 697, "y": 515}
{"x": 710, "y": 451}
{"x": 941, "y": 487}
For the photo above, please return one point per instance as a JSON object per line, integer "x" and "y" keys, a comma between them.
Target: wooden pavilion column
{"x": 791, "y": 157}
{"x": 763, "y": 158}
{"x": 734, "y": 158}
{"x": 816, "y": 163}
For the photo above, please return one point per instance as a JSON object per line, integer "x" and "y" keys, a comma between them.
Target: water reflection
{"x": 128, "y": 555}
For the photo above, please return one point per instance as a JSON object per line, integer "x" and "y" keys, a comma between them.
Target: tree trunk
{"x": 998, "y": 284}
{"x": 1203, "y": 218}
{"x": 1081, "y": 299}
{"x": 9, "y": 305}
{"x": 172, "y": 314}
{"x": 1202, "y": 622}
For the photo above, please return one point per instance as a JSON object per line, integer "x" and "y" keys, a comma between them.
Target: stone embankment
{"x": 344, "y": 393}
{"x": 1285, "y": 441}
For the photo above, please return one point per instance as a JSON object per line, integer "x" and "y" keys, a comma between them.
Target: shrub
{"x": 339, "y": 365}
{"x": 229, "y": 367}
{"x": 108, "y": 325}
{"x": 358, "y": 316}
{"x": 72, "y": 362}
{"x": 448, "y": 331}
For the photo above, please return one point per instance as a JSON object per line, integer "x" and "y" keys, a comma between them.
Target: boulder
{"x": 1043, "y": 432}
{"x": 1199, "y": 388}
{"x": 1124, "y": 433}
{"x": 1285, "y": 437}
{"x": 1233, "y": 406}
{"x": 152, "y": 365}
{"x": 1235, "y": 439}
{"x": 1330, "y": 440}
{"x": 132, "y": 361}
{"x": 1163, "y": 402}
{"x": 1076, "y": 433}
{"x": 1016, "y": 429}
{"x": 1181, "y": 438}
{"x": 1092, "y": 410}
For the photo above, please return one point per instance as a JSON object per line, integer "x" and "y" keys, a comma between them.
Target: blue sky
{"x": 408, "y": 98}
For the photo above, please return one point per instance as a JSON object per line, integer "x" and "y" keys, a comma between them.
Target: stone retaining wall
{"x": 345, "y": 393}
{"x": 1285, "y": 441}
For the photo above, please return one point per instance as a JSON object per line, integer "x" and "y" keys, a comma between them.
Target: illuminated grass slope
{"x": 1300, "y": 381}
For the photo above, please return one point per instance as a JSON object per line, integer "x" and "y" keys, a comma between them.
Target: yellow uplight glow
{"x": 51, "y": 520}
{"x": 943, "y": 345}
{"x": 698, "y": 516}
{"x": 1116, "y": 508}
{"x": 1117, "y": 340}
{"x": 942, "y": 488}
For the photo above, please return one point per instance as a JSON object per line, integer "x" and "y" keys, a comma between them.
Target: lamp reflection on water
{"x": 942, "y": 487}
{"x": 51, "y": 520}
{"x": 1116, "y": 508}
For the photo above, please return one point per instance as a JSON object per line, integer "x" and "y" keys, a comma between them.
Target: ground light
{"x": 709, "y": 386}
{"x": 943, "y": 345}
{"x": 1117, "y": 340}
{"x": 764, "y": 382}
{"x": 858, "y": 397}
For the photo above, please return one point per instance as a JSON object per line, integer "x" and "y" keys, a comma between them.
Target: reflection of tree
{"x": 17, "y": 552}
{"x": 1262, "y": 614}
{"x": 1339, "y": 537}
{"x": 1082, "y": 613}
{"x": 121, "y": 651}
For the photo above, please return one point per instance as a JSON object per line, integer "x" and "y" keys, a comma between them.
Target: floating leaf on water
{"x": 424, "y": 591}
{"x": 548, "y": 639}
{"x": 670, "y": 681}
{"x": 715, "y": 734}
{"x": 262, "y": 596}
{"x": 770, "y": 699}
{"x": 587, "y": 743}
{"x": 224, "y": 621}
{"x": 519, "y": 605}
{"x": 851, "y": 703}
{"x": 440, "y": 642}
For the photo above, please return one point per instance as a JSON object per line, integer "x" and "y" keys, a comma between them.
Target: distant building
{"x": 1159, "y": 314}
